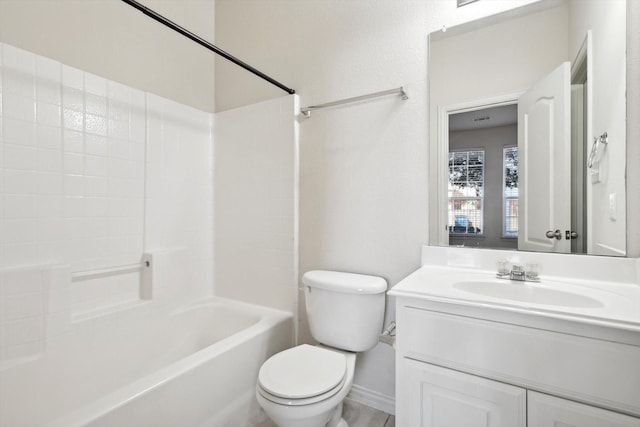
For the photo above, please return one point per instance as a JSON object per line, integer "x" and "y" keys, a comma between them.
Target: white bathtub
{"x": 196, "y": 366}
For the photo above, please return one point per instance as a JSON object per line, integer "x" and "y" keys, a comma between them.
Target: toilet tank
{"x": 345, "y": 310}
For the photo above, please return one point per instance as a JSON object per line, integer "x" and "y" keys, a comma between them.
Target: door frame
{"x": 442, "y": 152}
{"x": 581, "y": 74}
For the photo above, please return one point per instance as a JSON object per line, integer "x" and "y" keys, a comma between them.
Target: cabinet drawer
{"x": 549, "y": 411}
{"x": 594, "y": 371}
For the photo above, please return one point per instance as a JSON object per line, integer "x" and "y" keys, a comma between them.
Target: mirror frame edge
{"x": 633, "y": 130}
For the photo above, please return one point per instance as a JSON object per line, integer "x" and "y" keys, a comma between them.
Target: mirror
{"x": 528, "y": 129}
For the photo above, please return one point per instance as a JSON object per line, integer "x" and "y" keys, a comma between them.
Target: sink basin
{"x": 527, "y": 293}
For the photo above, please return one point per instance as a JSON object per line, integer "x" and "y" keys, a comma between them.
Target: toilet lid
{"x": 303, "y": 371}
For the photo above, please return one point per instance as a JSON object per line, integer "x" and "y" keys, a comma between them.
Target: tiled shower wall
{"x": 256, "y": 199}
{"x": 92, "y": 175}
{"x": 73, "y": 166}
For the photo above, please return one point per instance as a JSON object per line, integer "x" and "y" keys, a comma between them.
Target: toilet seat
{"x": 302, "y": 375}
{"x": 300, "y": 402}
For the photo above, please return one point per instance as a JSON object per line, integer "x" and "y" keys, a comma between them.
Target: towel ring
{"x": 598, "y": 142}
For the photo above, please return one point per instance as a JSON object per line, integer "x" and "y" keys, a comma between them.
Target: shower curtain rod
{"x": 202, "y": 42}
{"x": 306, "y": 111}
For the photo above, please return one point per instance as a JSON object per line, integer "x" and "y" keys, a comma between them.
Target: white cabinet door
{"x": 544, "y": 148}
{"x": 431, "y": 396}
{"x": 549, "y": 411}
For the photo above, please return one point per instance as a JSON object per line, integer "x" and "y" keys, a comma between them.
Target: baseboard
{"x": 373, "y": 399}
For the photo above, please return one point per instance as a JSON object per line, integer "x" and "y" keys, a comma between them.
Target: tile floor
{"x": 354, "y": 413}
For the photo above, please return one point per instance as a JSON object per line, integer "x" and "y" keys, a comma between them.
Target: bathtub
{"x": 196, "y": 366}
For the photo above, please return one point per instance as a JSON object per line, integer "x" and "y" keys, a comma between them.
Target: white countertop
{"x": 598, "y": 303}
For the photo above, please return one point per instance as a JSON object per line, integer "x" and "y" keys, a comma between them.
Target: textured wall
{"x": 115, "y": 41}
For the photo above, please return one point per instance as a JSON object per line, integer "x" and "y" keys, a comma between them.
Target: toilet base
{"x": 328, "y": 418}
{"x": 331, "y": 419}
{"x": 336, "y": 419}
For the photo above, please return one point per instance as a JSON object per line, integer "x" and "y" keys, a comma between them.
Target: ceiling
{"x": 486, "y": 118}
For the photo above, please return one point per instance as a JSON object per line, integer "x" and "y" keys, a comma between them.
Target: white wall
{"x": 496, "y": 59}
{"x": 113, "y": 40}
{"x": 606, "y": 20}
{"x": 256, "y": 199}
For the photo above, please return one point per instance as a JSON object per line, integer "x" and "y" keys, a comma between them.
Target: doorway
{"x": 482, "y": 205}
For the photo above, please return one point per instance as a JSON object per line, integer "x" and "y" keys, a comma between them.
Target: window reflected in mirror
{"x": 483, "y": 178}
{"x": 466, "y": 191}
{"x": 510, "y": 191}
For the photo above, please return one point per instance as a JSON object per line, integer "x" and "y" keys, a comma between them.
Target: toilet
{"x": 305, "y": 386}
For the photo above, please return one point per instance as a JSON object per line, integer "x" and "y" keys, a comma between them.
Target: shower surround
{"x": 94, "y": 173}
{"x": 97, "y": 177}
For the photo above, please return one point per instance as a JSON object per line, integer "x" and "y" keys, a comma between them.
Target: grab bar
{"x": 79, "y": 276}
{"x": 143, "y": 267}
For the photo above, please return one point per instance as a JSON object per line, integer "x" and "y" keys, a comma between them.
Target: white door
{"x": 544, "y": 150}
{"x": 549, "y": 411}
{"x": 431, "y": 396}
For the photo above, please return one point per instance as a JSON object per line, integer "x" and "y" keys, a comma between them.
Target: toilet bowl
{"x": 305, "y": 386}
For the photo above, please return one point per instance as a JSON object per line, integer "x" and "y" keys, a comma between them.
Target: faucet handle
{"x": 531, "y": 272}
{"x": 504, "y": 268}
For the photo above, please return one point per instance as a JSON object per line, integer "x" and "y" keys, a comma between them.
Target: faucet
{"x": 517, "y": 272}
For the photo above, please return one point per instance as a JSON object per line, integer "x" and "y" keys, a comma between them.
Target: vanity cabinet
{"x": 432, "y": 396}
{"x": 460, "y": 367}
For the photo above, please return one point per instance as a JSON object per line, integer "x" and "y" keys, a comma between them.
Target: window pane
{"x": 465, "y": 216}
{"x": 510, "y": 193}
{"x": 466, "y": 191}
{"x": 511, "y": 217}
{"x": 511, "y": 167}
{"x": 476, "y": 158}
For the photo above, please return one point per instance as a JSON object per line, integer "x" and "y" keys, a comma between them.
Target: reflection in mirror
{"x": 518, "y": 106}
{"x": 484, "y": 142}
